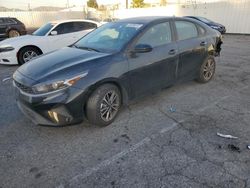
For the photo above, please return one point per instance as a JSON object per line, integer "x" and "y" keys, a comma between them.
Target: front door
{"x": 66, "y": 36}
{"x": 157, "y": 68}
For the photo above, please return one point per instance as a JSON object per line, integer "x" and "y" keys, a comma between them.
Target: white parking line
{"x": 114, "y": 158}
{"x": 146, "y": 140}
{"x": 6, "y": 79}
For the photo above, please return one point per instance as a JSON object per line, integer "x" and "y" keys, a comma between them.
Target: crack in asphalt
{"x": 178, "y": 124}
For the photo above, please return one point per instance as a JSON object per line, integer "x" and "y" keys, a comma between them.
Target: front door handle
{"x": 203, "y": 43}
{"x": 172, "y": 52}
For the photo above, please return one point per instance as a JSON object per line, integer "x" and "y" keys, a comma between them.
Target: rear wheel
{"x": 13, "y": 33}
{"x": 26, "y": 54}
{"x": 207, "y": 70}
{"x": 103, "y": 105}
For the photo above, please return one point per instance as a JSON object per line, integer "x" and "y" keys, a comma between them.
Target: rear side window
{"x": 157, "y": 35}
{"x": 80, "y": 26}
{"x": 1, "y": 21}
{"x": 65, "y": 28}
{"x": 186, "y": 30}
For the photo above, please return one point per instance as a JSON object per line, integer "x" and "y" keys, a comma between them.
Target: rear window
{"x": 186, "y": 30}
{"x": 9, "y": 21}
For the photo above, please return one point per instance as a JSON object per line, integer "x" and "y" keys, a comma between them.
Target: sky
{"x": 23, "y": 4}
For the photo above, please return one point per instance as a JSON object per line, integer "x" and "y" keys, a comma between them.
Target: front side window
{"x": 64, "y": 28}
{"x": 110, "y": 37}
{"x": 157, "y": 35}
{"x": 186, "y": 30}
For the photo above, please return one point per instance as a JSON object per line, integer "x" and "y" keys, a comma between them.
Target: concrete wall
{"x": 35, "y": 19}
{"x": 235, "y": 15}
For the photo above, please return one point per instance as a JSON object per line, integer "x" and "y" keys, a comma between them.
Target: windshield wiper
{"x": 86, "y": 48}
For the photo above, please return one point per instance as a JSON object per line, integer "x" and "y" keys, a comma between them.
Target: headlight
{"x": 57, "y": 85}
{"x": 6, "y": 49}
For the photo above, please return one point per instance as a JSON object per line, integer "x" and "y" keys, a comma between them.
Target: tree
{"x": 137, "y": 3}
{"x": 92, "y": 4}
{"x": 163, "y": 2}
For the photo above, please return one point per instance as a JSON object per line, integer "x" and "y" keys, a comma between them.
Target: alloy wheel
{"x": 27, "y": 56}
{"x": 14, "y": 33}
{"x": 208, "y": 70}
{"x": 109, "y": 106}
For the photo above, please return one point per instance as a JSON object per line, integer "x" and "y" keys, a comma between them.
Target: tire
{"x": 13, "y": 33}
{"x": 96, "y": 105}
{"x": 207, "y": 70}
{"x": 23, "y": 54}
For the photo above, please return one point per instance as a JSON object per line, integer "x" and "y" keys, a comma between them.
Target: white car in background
{"x": 50, "y": 37}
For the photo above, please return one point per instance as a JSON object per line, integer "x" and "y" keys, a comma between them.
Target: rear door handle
{"x": 172, "y": 52}
{"x": 203, "y": 43}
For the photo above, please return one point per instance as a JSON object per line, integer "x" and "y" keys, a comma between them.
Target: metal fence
{"x": 34, "y": 19}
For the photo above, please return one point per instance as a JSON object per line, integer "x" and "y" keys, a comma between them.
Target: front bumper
{"x": 59, "y": 108}
{"x": 8, "y": 58}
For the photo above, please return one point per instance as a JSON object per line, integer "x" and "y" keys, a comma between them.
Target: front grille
{"x": 24, "y": 88}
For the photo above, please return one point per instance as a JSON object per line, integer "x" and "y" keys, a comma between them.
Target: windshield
{"x": 42, "y": 31}
{"x": 110, "y": 37}
{"x": 204, "y": 20}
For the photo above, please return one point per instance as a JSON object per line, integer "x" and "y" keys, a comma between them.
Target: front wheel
{"x": 103, "y": 105}
{"x": 207, "y": 70}
{"x": 26, "y": 54}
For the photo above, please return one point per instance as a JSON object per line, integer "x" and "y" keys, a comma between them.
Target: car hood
{"x": 16, "y": 40}
{"x": 216, "y": 24}
{"x": 61, "y": 63}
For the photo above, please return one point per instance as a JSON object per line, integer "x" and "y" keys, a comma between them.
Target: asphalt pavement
{"x": 167, "y": 139}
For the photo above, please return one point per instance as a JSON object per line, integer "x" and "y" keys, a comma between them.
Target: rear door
{"x": 192, "y": 48}
{"x": 155, "y": 69}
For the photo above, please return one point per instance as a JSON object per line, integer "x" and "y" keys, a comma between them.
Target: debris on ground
{"x": 248, "y": 147}
{"x": 226, "y": 136}
{"x": 233, "y": 148}
{"x": 172, "y": 109}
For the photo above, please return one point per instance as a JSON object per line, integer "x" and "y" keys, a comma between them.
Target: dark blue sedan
{"x": 116, "y": 63}
{"x": 219, "y": 27}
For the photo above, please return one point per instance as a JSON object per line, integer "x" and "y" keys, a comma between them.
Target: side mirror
{"x": 143, "y": 48}
{"x": 53, "y": 33}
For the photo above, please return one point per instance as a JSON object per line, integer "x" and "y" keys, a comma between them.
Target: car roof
{"x": 144, "y": 19}
{"x": 8, "y": 17}
{"x": 72, "y": 20}
{"x": 149, "y": 19}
